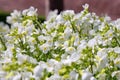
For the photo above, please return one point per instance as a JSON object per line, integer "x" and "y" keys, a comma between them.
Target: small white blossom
{"x": 74, "y": 75}
{"x": 92, "y": 42}
{"x": 17, "y": 77}
{"x": 117, "y": 50}
{"x": 85, "y": 6}
{"x": 86, "y": 75}
{"x": 67, "y": 32}
{"x": 70, "y": 50}
{"x": 38, "y": 71}
{"x": 21, "y": 58}
{"x": 15, "y": 17}
{"x": 30, "y": 12}
{"x": 45, "y": 48}
{"x": 116, "y": 74}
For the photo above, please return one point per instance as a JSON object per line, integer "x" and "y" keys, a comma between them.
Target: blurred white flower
{"x": 70, "y": 50}
{"x": 92, "y": 42}
{"x": 117, "y": 24}
{"x": 117, "y": 62}
{"x": 21, "y": 58}
{"x": 45, "y": 47}
{"x": 103, "y": 59}
{"x": 117, "y": 50}
{"x": 74, "y": 75}
{"x": 72, "y": 58}
{"x": 4, "y": 28}
{"x": 116, "y": 74}
{"x": 14, "y": 17}
{"x": 2, "y": 74}
{"x": 81, "y": 46}
{"x": 17, "y": 77}
{"x": 52, "y": 14}
{"x": 30, "y": 12}
{"x": 93, "y": 78}
{"x": 53, "y": 66}
{"x": 86, "y": 75}
{"x": 67, "y": 32}
{"x": 38, "y": 71}
{"x": 55, "y": 77}
{"x": 68, "y": 14}
{"x": 85, "y": 6}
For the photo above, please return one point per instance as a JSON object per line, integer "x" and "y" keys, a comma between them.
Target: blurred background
{"x": 100, "y": 7}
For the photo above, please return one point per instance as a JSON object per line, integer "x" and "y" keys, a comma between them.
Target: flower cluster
{"x": 67, "y": 46}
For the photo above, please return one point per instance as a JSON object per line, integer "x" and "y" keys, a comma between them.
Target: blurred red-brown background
{"x": 100, "y": 7}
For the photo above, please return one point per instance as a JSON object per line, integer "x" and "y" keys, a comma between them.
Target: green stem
{"x": 3, "y": 43}
{"x": 39, "y": 26}
{"x": 117, "y": 39}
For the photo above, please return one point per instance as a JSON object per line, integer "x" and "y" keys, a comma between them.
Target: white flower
{"x": 50, "y": 26}
{"x": 57, "y": 44}
{"x": 26, "y": 75}
{"x": 74, "y": 75}
{"x": 52, "y": 14}
{"x": 17, "y": 77}
{"x": 14, "y": 17}
{"x": 67, "y": 60}
{"x": 92, "y": 78}
{"x": 102, "y": 76}
{"x": 30, "y": 12}
{"x": 117, "y": 62}
{"x": 59, "y": 19}
{"x": 102, "y": 53}
{"x": 81, "y": 46}
{"x": 85, "y": 6}
{"x": 44, "y": 31}
{"x": 55, "y": 77}
{"x": 77, "y": 40}
{"x": 68, "y": 14}
{"x": 117, "y": 24}
{"x": 101, "y": 27}
{"x": 50, "y": 41}
{"x": 21, "y": 58}
{"x": 53, "y": 34}
{"x": 77, "y": 17}
{"x": 92, "y": 32}
{"x": 70, "y": 50}
{"x": 68, "y": 24}
{"x": 92, "y": 42}
{"x": 117, "y": 50}
{"x": 67, "y": 32}
{"x": 53, "y": 65}
{"x": 38, "y": 71}
{"x": 45, "y": 47}
{"x": 2, "y": 74}
{"x": 75, "y": 56}
{"x": 86, "y": 75}
{"x": 66, "y": 44}
{"x": 109, "y": 33}
{"x": 41, "y": 38}
{"x": 103, "y": 59}
{"x": 117, "y": 74}
{"x": 32, "y": 60}
{"x": 102, "y": 63}
{"x": 31, "y": 41}
{"x": 8, "y": 52}
{"x": 4, "y": 28}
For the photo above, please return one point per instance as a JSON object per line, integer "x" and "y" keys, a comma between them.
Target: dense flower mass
{"x": 67, "y": 46}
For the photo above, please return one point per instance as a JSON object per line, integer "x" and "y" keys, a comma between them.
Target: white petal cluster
{"x": 67, "y": 46}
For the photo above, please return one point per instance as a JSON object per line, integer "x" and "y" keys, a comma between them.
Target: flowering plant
{"x": 67, "y": 46}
